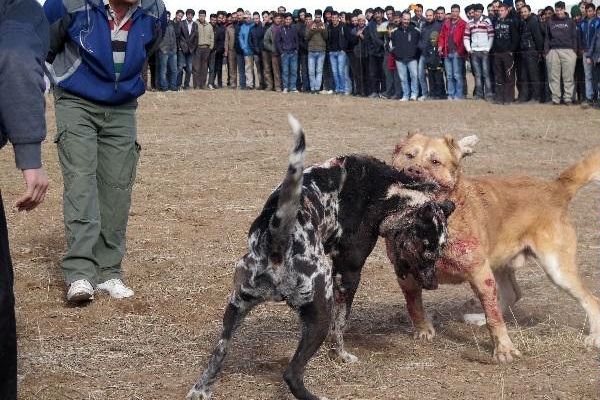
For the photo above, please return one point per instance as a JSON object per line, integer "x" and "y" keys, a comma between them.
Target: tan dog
{"x": 499, "y": 222}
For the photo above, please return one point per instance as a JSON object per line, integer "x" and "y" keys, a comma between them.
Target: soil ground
{"x": 209, "y": 161}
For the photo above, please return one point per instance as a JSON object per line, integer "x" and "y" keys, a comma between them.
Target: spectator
{"x": 270, "y": 43}
{"x": 532, "y": 47}
{"x": 506, "y": 44}
{"x": 188, "y": 42}
{"x": 336, "y": 43}
{"x": 478, "y": 40}
{"x": 405, "y": 41}
{"x": 435, "y": 69}
{"x": 180, "y": 57}
{"x": 215, "y": 77}
{"x": 579, "y": 76}
{"x": 360, "y": 57}
{"x": 303, "y": 82}
{"x": 440, "y": 16}
{"x": 244, "y": 43}
{"x": 95, "y": 115}
{"x": 592, "y": 57}
{"x": 287, "y": 46}
{"x": 351, "y": 40}
{"x": 452, "y": 49}
{"x": 230, "y": 53}
{"x": 239, "y": 53}
{"x": 168, "y": 57}
{"x": 560, "y": 47}
{"x": 206, "y": 42}
{"x": 375, "y": 31}
{"x": 23, "y": 48}
{"x": 257, "y": 36}
{"x": 588, "y": 28}
{"x": 316, "y": 36}
{"x": 428, "y": 26}
{"x": 418, "y": 20}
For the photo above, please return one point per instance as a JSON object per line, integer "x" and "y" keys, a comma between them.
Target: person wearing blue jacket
{"x": 592, "y": 59}
{"x": 244, "y": 41}
{"x": 97, "y": 51}
{"x": 587, "y": 30}
{"x": 23, "y": 46}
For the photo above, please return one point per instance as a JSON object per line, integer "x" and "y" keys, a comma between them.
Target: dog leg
{"x": 315, "y": 319}
{"x": 234, "y": 315}
{"x": 413, "y": 294}
{"x": 484, "y": 286}
{"x": 345, "y": 287}
{"x": 508, "y": 288}
{"x": 561, "y": 267}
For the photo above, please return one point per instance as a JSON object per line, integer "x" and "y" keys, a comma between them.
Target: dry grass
{"x": 209, "y": 161}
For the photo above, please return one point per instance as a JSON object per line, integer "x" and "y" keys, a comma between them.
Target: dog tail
{"x": 580, "y": 174}
{"x": 290, "y": 191}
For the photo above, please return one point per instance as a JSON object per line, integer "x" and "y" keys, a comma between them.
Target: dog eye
{"x": 410, "y": 156}
{"x": 435, "y": 162}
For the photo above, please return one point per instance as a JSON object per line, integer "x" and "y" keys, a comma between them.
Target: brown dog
{"x": 499, "y": 222}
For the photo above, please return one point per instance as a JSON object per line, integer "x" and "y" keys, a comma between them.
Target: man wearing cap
{"x": 452, "y": 49}
{"x": 560, "y": 47}
{"x": 506, "y": 44}
{"x": 478, "y": 39}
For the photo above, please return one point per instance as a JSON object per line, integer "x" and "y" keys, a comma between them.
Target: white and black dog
{"x": 333, "y": 209}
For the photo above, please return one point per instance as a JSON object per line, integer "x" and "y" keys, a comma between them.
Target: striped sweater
{"x": 118, "y": 35}
{"x": 479, "y": 35}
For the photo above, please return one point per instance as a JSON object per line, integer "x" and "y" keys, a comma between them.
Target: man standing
{"x": 95, "y": 105}
{"x": 216, "y": 55}
{"x": 405, "y": 42}
{"x": 560, "y": 47}
{"x": 230, "y": 53}
{"x": 428, "y": 26}
{"x": 587, "y": 30}
{"x": 188, "y": 42}
{"x": 272, "y": 54}
{"x": 303, "y": 82}
{"x": 287, "y": 46}
{"x": 167, "y": 58}
{"x": 506, "y": 44}
{"x": 206, "y": 42}
{"x": 336, "y": 44}
{"x": 316, "y": 37}
{"x": 532, "y": 47}
{"x": 478, "y": 39}
{"x": 374, "y": 36}
{"x": 592, "y": 58}
{"x": 452, "y": 49}
{"x": 180, "y": 58}
{"x": 23, "y": 48}
{"x": 257, "y": 37}
{"x": 244, "y": 43}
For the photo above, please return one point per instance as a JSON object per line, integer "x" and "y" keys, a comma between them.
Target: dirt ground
{"x": 209, "y": 161}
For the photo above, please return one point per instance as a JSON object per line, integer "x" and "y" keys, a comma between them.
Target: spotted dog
{"x": 334, "y": 209}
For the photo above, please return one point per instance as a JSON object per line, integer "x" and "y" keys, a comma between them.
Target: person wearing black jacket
{"x": 375, "y": 48}
{"x": 24, "y": 44}
{"x": 360, "y": 57}
{"x": 216, "y": 55}
{"x": 336, "y": 46}
{"x": 506, "y": 44}
{"x": 257, "y": 36}
{"x": 532, "y": 47}
{"x": 303, "y": 82}
{"x": 405, "y": 41}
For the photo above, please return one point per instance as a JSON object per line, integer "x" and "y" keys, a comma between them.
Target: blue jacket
{"x": 587, "y": 30}
{"x": 593, "y": 51}
{"x": 287, "y": 40}
{"x": 244, "y": 38}
{"x": 81, "y": 49}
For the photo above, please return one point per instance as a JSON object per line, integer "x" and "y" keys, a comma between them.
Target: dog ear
{"x": 447, "y": 207}
{"x": 467, "y": 145}
{"x": 400, "y": 145}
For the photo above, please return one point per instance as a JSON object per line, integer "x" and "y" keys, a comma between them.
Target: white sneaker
{"x": 80, "y": 291}
{"x": 115, "y": 288}
{"x": 413, "y": 98}
{"x": 422, "y": 98}
{"x": 285, "y": 90}
{"x": 326, "y": 91}
{"x": 404, "y": 99}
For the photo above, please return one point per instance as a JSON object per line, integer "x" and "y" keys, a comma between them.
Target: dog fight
{"x": 327, "y": 202}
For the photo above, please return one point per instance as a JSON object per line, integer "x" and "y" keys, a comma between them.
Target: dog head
{"x": 435, "y": 159}
{"x": 415, "y": 239}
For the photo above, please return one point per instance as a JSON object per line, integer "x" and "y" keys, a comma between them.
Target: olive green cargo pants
{"x": 98, "y": 156}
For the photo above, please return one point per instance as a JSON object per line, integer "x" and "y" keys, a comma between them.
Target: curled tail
{"x": 578, "y": 175}
{"x": 290, "y": 192}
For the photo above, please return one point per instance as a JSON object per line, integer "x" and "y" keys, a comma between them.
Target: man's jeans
{"x": 421, "y": 71}
{"x": 289, "y": 69}
{"x": 480, "y": 63}
{"x": 338, "y": 67}
{"x": 168, "y": 62}
{"x": 454, "y": 74}
{"x": 186, "y": 64}
{"x": 315, "y": 69}
{"x": 590, "y": 90}
{"x": 404, "y": 69}
{"x": 241, "y": 70}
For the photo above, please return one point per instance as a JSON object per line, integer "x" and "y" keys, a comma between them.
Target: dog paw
{"x": 425, "y": 333}
{"x": 505, "y": 354}
{"x": 592, "y": 341}
{"x": 195, "y": 394}
{"x": 475, "y": 319}
{"x": 343, "y": 356}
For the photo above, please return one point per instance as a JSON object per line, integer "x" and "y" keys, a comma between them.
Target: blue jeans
{"x": 186, "y": 63}
{"x": 348, "y": 83}
{"x": 338, "y": 67}
{"x": 241, "y": 66}
{"x": 480, "y": 63}
{"x": 289, "y": 69}
{"x": 315, "y": 69}
{"x": 590, "y": 90}
{"x": 409, "y": 89}
{"x": 168, "y": 62}
{"x": 423, "y": 77}
{"x": 453, "y": 64}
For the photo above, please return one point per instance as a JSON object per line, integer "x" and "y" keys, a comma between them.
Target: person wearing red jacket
{"x": 452, "y": 50}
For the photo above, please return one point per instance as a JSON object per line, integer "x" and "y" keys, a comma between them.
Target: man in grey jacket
{"x": 23, "y": 47}
{"x": 168, "y": 57}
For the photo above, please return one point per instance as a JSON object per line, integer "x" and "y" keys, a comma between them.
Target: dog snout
{"x": 414, "y": 171}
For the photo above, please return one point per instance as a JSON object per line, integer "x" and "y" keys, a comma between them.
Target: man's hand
{"x": 589, "y": 61}
{"x": 36, "y": 182}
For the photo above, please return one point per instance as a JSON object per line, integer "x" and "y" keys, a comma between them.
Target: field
{"x": 209, "y": 161}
